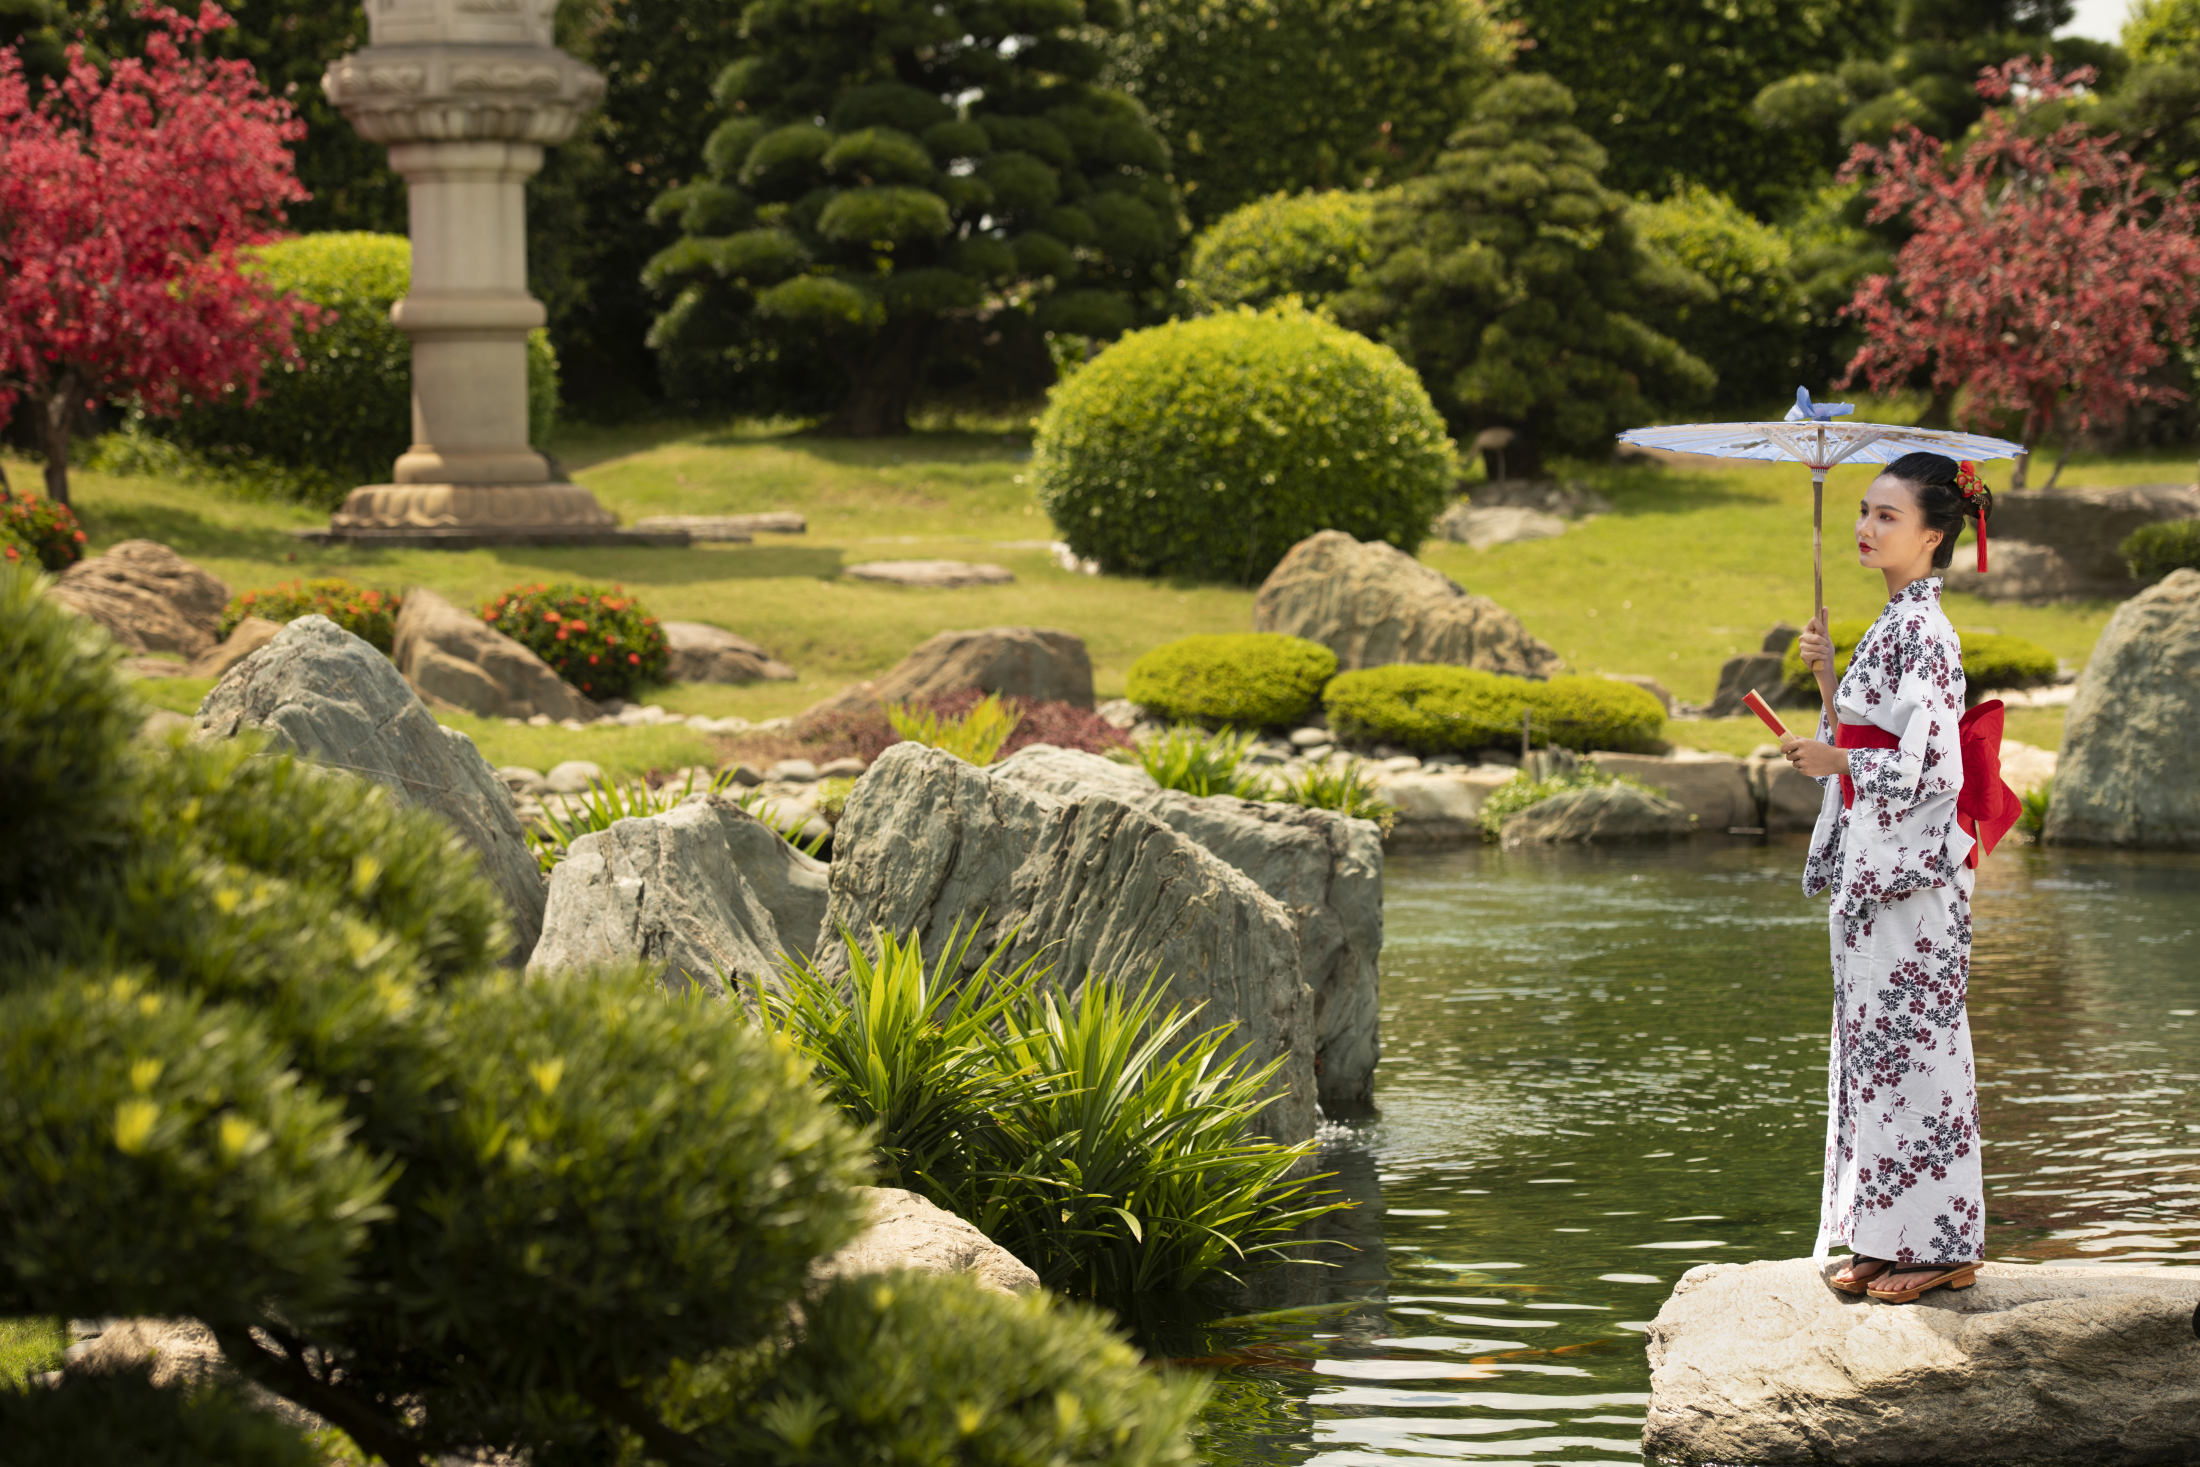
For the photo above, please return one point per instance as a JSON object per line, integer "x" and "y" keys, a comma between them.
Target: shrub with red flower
{"x": 866, "y": 734}
{"x": 366, "y": 613}
{"x": 49, "y": 529}
{"x": 602, "y": 642}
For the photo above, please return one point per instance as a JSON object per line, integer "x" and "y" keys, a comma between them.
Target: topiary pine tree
{"x": 893, "y": 163}
{"x": 1512, "y": 281}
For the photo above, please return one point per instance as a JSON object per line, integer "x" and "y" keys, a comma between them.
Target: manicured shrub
{"x": 48, "y": 529}
{"x": 1248, "y": 680}
{"x": 1991, "y": 662}
{"x": 252, "y": 1019}
{"x": 1208, "y": 448}
{"x": 2153, "y": 551}
{"x": 366, "y": 613}
{"x": 341, "y": 414}
{"x": 600, "y": 641}
{"x": 1305, "y": 245}
{"x": 1434, "y": 709}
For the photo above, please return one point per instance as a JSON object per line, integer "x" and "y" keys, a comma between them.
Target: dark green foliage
{"x": 1512, "y": 280}
{"x": 1443, "y": 710}
{"x": 916, "y": 1370}
{"x": 366, "y": 613}
{"x": 966, "y": 168}
{"x": 258, "y": 1069}
{"x": 1257, "y": 96}
{"x": 2153, "y": 551}
{"x": 1249, "y": 680}
{"x": 1753, "y": 330}
{"x": 1208, "y": 448}
{"x": 34, "y": 29}
{"x": 1991, "y": 662}
{"x": 1305, "y": 245}
{"x": 2035, "y": 803}
{"x": 123, "y": 1420}
{"x": 48, "y": 530}
{"x": 1105, "y": 1142}
{"x": 1667, "y": 88}
{"x": 601, "y": 641}
{"x": 341, "y": 414}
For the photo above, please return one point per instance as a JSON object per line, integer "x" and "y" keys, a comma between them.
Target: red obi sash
{"x": 1986, "y": 807}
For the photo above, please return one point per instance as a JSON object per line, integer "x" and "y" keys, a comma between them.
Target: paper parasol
{"x": 1809, "y": 436}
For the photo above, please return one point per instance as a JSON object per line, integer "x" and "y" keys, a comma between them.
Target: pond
{"x": 1604, "y": 1068}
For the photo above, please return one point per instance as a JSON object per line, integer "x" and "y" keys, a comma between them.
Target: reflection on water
{"x": 1604, "y": 1068}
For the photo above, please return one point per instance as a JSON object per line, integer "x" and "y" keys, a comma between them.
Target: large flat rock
{"x": 2129, "y": 774}
{"x": 149, "y": 598}
{"x": 1713, "y": 788}
{"x": 929, "y": 845}
{"x": 1766, "y": 1362}
{"x": 320, "y": 692}
{"x": 702, "y": 653}
{"x": 1038, "y": 664}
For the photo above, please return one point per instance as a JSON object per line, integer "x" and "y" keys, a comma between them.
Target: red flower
{"x": 591, "y": 659}
{"x": 633, "y": 657}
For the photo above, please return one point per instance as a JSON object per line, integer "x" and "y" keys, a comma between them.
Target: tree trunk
{"x": 2025, "y": 438}
{"x": 60, "y": 412}
{"x": 882, "y": 377}
{"x": 1940, "y": 410}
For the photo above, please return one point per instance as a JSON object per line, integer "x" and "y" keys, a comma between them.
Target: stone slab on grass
{"x": 734, "y": 529}
{"x": 701, "y": 653}
{"x": 1768, "y": 1363}
{"x": 942, "y": 574}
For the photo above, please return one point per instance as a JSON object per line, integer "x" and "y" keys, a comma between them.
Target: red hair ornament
{"x": 1968, "y": 481}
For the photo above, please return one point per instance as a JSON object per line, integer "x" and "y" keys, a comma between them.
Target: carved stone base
{"x": 471, "y": 506}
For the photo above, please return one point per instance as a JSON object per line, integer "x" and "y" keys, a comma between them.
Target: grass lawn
{"x": 29, "y": 1347}
{"x": 1690, "y": 569}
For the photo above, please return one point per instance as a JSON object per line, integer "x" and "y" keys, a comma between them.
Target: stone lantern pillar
{"x": 466, "y": 94}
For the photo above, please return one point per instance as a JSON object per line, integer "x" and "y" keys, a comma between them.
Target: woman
{"x": 1903, "y": 1187}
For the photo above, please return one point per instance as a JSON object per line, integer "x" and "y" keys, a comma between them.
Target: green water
{"x": 1603, "y": 1068}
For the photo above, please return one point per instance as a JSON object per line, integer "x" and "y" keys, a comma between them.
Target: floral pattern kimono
{"x": 1903, "y": 1171}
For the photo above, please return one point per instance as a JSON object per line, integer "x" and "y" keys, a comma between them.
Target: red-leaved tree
{"x": 2045, "y": 276}
{"x": 125, "y": 196}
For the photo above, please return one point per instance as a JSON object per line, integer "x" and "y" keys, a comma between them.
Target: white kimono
{"x": 1903, "y": 1171}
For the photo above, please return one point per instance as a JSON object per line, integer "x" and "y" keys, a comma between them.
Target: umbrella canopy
{"x": 1810, "y": 436}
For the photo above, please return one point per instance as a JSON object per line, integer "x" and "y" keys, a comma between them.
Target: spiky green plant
{"x": 1344, "y": 788}
{"x": 603, "y": 804}
{"x": 1197, "y": 762}
{"x": 2032, "y": 818}
{"x": 974, "y": 737}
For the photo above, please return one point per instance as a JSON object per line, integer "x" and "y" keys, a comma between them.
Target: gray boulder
{"x": 701, "y": 653}
{"x": 1442, "y": 808}
{"x": 1374, "y": 604}
{"x": 907, "y": 1231}
{"x": 2049, "y": 544}
{"x": 454, "y": 657}
{"x": 320, "y": 692}
{"x": 1611, "y": 814}
{"x": 1090, "y": 883}
{"x": 2129, "y": 773}
{"x": 1788, "y": 800}
{"x": 1765, "y": 1362}
{"x": 706, "y": 889}
{"x": 1712, "y": 788}
{"x": 149, "y": 598}
{"x": 1325, "y": 868}
{"x": 1035, "y": 663}
{"x": 1504, "y": 524}
{"x": 246, "y": 638}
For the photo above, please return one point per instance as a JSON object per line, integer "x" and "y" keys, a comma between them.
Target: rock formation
{"x": 1609, "y": 814}
{"x": 2053, "y": 543}
{"x": 1035, "y": 663}
{"x": 455, "y": 657}
{"x": 1325, "y": 868}
{"x": 1089, "y": 882}
{"x": 246, "y": 638}
{"x": 706, "y": 889}
{"x": 1373, "y": 604}
{"x": 1713, "y": 788}
{"x": 2129, "y": 774}
{"x": 322, "y": 693}
{"x": 149, "y": 598}
{"x": 702, "y": 653}
{"x": 1765, "y": 1362}
{"x": 1480, "y": 528}
{"x": 906, "y": 1231}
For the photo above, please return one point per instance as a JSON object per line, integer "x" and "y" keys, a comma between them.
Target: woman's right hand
{"x": 1814, "y": 646}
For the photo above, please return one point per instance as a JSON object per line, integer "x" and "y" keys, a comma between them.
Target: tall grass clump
{"x": 1199, "y": 763}
{"x": 565, "y": 819}
{"x": 975, "y": 737}
{"x": 1344, "y": 788}
{"x": 1093, "y": 1135}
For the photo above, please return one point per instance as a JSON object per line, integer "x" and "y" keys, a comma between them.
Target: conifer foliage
{"x": 889, "y": 164}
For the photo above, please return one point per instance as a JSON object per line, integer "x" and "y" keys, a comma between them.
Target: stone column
{"x": 466, "y": 94}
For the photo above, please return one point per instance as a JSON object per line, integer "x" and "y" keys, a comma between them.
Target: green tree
{"x": 1514, "y": 282}
{"x": 1666, "y": 88}
{"x": 1257, "y": 96}
{"x": 1755, "y": 330}
{"x": 888, "y": 165}
{"x": 259, "y": 1066}
{"x": 1307, "y": 245}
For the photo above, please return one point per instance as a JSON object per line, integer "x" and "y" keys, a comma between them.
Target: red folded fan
{"x": 1764, "y": 711}
{"x": 1986, "y": 807}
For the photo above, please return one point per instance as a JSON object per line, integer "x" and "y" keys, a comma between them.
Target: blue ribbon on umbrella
{"x": 1805, "y": 412}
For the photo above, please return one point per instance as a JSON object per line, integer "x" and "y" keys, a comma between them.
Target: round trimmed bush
{"x": 1208, "y": 448}
{"x": 366, "y": 613}
{"x": 1433, "y": 709}
{"x": 1305, "y": 245}
{"x": 49, "y": 530}
{"x": 1252, "y": 680}
{"x": 2153, "y": 551}
{"x": 1991, "y": 661}
{"x": 600, "y": 641}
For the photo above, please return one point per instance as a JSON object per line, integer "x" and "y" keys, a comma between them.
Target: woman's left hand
{"x": 1814, "y": 758}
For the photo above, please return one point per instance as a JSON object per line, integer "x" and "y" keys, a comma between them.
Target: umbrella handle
{"x": 1817, "y": 539}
